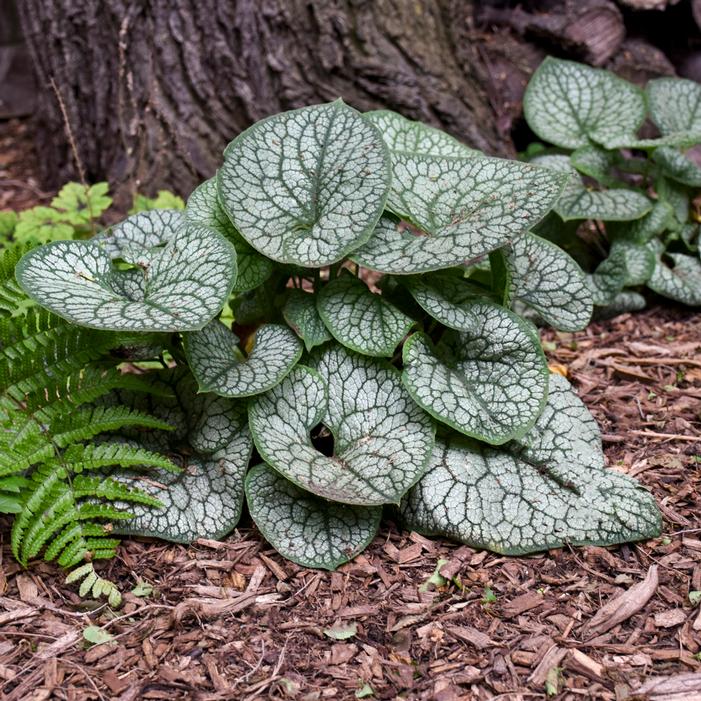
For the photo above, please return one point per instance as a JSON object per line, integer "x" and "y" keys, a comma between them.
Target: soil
{"x": 233, "y": 620}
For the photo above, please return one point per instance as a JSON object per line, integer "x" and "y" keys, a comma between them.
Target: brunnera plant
{"x": 338, "y": 310}
{"x": 634, "y": 194}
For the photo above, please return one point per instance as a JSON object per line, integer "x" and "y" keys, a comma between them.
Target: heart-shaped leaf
{"x": 447, "y": 296}
{"x": 677, "y": 196}
{"x": 205, "y": 499}
{"x": 220, "y": 367}
{"x": 609, "y": 205}
{"x": 682, "y": 140}
{"x": 609, "y": 278}
{"x": 579, "y": 202}
{"x": 646, "y": 228}
{"x": 689, "y": 234}
{"x": 181, "y": 275}
{"x": 459, "y": 209}
{"x": 545, "y": 278}
{"x": 360, "y": 319}
{"x": 570, "y": 104}
{"x": 677, "y": 166}
{"x": 402, "y": 134}
{"x": 638, "y": 261}
{"x": 488, "y": 381}
{"x": 301, "y": 314}
{"x": 304, "y": 528}
{"x": 675, "y": 105}
{"x": 548, "y": 491}
{"x": 308, "y": 186}
{"x": 203, "y": 207}
{"x": 382, "y": 440}
{"x": 622, "y": 302}
{"x": 595, "y": 162}
{"x": 679, "y": 279}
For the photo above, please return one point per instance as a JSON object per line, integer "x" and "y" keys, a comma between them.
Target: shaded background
{"x": 153, "y": 90}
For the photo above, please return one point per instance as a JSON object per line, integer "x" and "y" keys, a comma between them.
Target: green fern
{"x": 53, "y": 475}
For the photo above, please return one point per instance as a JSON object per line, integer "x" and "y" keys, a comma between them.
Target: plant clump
{"x": 635, "y": 197}
{"x": 334, "y": 325}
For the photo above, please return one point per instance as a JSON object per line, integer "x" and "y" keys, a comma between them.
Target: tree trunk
{"x": 153, "y": 90}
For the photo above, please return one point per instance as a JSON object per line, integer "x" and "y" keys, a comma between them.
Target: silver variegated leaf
{"x": 203, "y": 207}
{"x": 447, "y": 296}
{"x": 568, "y": 104}
{"x": 211, "y": 437}
{"x": 360, "y": 319}
{"x": 646, "y": 228}
{"x": 488, "y": 381}
{"x": 382, "y": 440}
{"x": 402, "y": 134}
{"x": 181, "y": 275}
{"x": 609, "y": 278}
{"x": 304, "y": 528}
{"x": 677, "y": 196}
{"x": 306, "y": 187}
{"x": 675, "y": 105}
{"x": 220, "y": 367}
{"x": 579, "y": 202}
{"x": 595, "y": 162}
{"x": 638, "y": 261}
{"x": 459, "y": 209}
{"x": 618, "y": 204}
{"x": 681, "y": 140}
{"x": 549, "y": 490}
{"x": 679, "y": 279}
{"x": 301, "y": 314}
{"x": 689, "y": 234}
{"x": 677, "y": 166}
{"x": 548, "y": 280}
{"x": 623, "y": 302}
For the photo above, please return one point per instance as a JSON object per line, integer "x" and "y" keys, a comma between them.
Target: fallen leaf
{"x": 365, "y": 691}
{"x": 341, "y": 631}
{"x": 97, "y": 636}
{"x": 559, "y": 369}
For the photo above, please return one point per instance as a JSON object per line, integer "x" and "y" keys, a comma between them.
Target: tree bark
{"x": 153, "y": 90}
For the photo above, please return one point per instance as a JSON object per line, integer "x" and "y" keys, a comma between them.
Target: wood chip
{"x": 58, "y": 646}
{"x": 552, "y": 658}
{"x": 670, "y": 618}
{"x": 624, "y": 606}
{"x": 17, "y": 614}
{"x": 680, "y": 687}
{"x": 471, "y": 635}
{"x": 522, "y": 603}
{"x": 577, "y": 661}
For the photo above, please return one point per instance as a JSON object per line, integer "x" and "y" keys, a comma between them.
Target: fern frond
{"x": 95, "y": 457}
{"x": 73, "y": 533}
{"x": 32, "y": 506}
{"x": 93, "y": 582}
{"x": 12, "y": 492}
{"x": 40, "y": 346}
{"x": 111, "y": 490}
{"x": 64, "y": 394}
{"x": 52, "y": 374}
{"x": 48, "y": 524}
{"x": 88, "y": 549}
{"x": 12, "y": 298}
{"x": 88, "y": 423}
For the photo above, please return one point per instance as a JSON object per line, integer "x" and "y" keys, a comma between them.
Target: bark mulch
{"x": 233, "y": 620}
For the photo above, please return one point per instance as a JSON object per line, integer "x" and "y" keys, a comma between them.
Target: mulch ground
{"x": 233, "y": 620}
